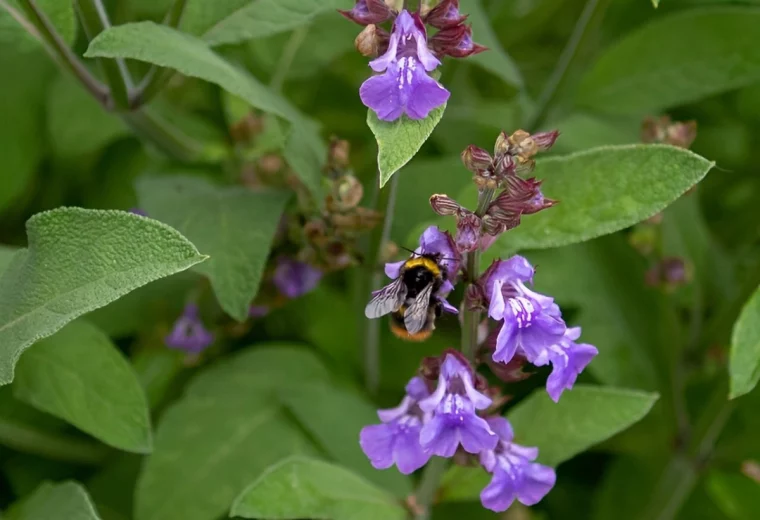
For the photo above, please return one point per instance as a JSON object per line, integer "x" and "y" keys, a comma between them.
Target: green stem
{"x": 162, "y": 135}
{"x": 386, "y": 203}
{"x": 288, "y": 55}
{"x": 157, "y": 77}
{"x": 594, "y": 10}
{"x": 46, "y": 32}
{"x": 95, "y": 20}
{"x": 471, "y": 319}
{"x": 425, "y": 494}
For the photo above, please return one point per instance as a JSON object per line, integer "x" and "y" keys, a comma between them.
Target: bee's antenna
{"x": 409, "y": 250}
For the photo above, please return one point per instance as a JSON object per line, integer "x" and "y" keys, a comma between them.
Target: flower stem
{"x": 373, "y": 277}
{"x": 288, "y": 55}
{"x": 593, "y": 11}
{"x": 428, "y": 487}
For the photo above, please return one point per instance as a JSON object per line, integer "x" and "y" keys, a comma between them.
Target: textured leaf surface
{"x": 495, "y": 59}
{"x": 675, "y": 60}
{"x": 400, "y": 140}
{"x": 744, "y": 366}
{"x": 66, "y": 500}
{"x": 233, "y": 225}
{"x": 167, "y": 47}
{"x": 79, "y": 260}
{"x": 602, "y": 191}
{"x": 79, "y": 376}
{"x": 583, "y": 417}
{"x": 305, "y": 488}
{"x": 223, "y": 434}
{"x": 262, "y": 18}
{"x": 334, "y": 417}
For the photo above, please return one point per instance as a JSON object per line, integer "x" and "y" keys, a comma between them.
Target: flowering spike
{"x": 367, "y": 12}
{"x": 189, "y": 333}
{"x": 405, "y": 87}
{"x": 293, "y": 278}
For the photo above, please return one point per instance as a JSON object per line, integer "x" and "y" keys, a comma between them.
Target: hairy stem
{"x": 95, "y": 20}
{"x": 373, "y": 276}
{"x": 592, "y": 12}
{"x": 46, "y": 32}
{"x": 157, "y": 77}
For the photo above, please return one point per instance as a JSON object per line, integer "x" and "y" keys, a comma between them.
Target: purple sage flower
{"x": 294, "y": 278}
{"x": 189, "y": 333}
{"x": 453, "y": 405}
{"x": 258, "y": 311}
{"x": 515, "y": 475}
{"x": 405, "y": 86}
{"x": 397, "y": 439}
{"x": 532, "y": 325}
{"x": 138, "y": 211}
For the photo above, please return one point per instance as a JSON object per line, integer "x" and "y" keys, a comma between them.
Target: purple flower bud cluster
{"x": 449, "y": 410}
{"x": 189, "y": 334}
{"x": 406, "y": 57}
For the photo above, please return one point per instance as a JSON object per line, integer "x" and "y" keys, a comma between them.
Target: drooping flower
{"x": 397, "y": 439}
{"x": 405, "y": 86}
{"x": 453, "y": 405}
{"x": 293, "y": 278}
{"x": 189, "y": 333}
{"x": 515, "y": 476}
{"x": 532, "y": 325}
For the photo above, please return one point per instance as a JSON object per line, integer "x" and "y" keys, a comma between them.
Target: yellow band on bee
{"x": 402, "y": 333}
{"x": 423, "y": 261}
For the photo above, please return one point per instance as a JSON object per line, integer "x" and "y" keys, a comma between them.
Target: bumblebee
{"x": 410, "y": 298}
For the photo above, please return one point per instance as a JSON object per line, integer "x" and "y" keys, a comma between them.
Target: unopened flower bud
{"x": 350, "y": 192}
{"x": 270, "y": 163}
{"x": 545, "y": 140}
{"x": 339, "y": 153}
{"x": 367, "y": 42}
{"x": 505, "y": 166}
{"x": 315, "y": 231}
{"x": 367, "y": 12}
{"x": 522, "y": 144}
{"x": 502, "y": 145}
{"x": 664, "y": 130}
{"x": 444, "y": 205}
{"x": 468, "y": 233}
{"x": 476, "y": 160}
{"x": 445, "y": 14}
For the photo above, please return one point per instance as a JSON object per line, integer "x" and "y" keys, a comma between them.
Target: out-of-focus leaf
{"x": 656, "y": 3}
{"x": 67, "y": 500}
{"x": 219, "y": 438}
{"x": 78, "y": 375}
{"x": 463, "y": 483}
{"x": 581, "y": 131}
{"x": 737, "y": 496}
{"x": 157, "y": 369}
{"x": 299, "y": 487}
{"x": 306, "y": 155}
{"x": 18, "y": 33}
{"x": 263, "y": 18}
{"x": 22, "y": 101}
{"x": 219, "y": 220}
{"x": 334, "y": 417}
{"x": 77, "y": 124}
{"x": 79, "y": 260}
{"x": 601, "y": 191}
{"x": 626, "y": 480}
{"x": 674, "y": 60}
{"x": 201, "y": 15}
{"x": 167, "y": 47}
{"x": 400, "y": 140}
{"x": 744, "y": 366}
{"x": 495, "y": 59}
{"x": 582, "y": 418}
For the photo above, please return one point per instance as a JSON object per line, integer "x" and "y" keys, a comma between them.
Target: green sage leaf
{"x": 735, "y": 494}
{"x": 79, "y": 260}
{"x": 219, "y": 220}
{"x": 299, "y": 487}
{"x": 263, "y": 18}
{"x": 674, "y": 60}
{"x": 17, "y": 32}
{"x": 79, "y": 376}
{"x": 601, "y": 191}
{"x": 67, "y": 500}
{"x": 583, "y": 417}
{"x": 398, "y": 141}
{"x": 744, "y": 364}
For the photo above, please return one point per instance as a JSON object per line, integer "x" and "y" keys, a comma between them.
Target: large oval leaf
{"x": 80, "y": 376}
{"x": 744, "y": 367}
{"x": 398, "y": 141}
{"x": 79, "y": 260}
{"x": 299, "y": 487}
{"x": 218, "y": 221}
{"x": 675, "y": 60}
{"x": 601, "y": 191}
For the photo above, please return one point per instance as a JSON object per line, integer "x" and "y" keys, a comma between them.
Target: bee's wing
{"x": 388, "y": 299}
{"x": 417, "y": 313}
